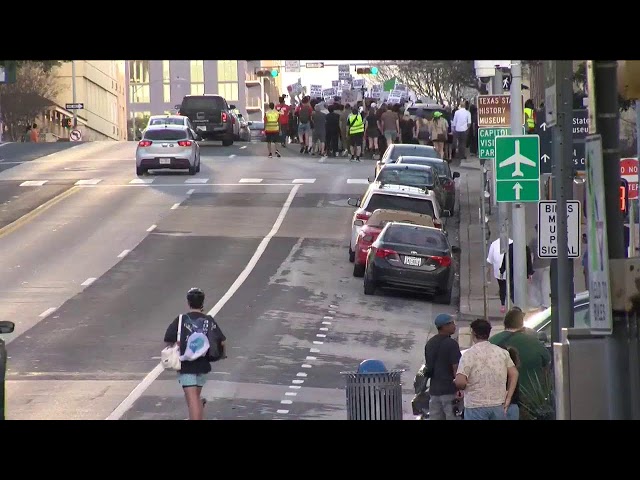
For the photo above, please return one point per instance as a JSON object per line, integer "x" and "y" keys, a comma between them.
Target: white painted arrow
{"x": 518, "y": 188}
{"x": 543, "y": 126}
{"x": 545, "y": 157}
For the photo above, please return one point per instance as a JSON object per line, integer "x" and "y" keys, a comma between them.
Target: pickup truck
{"x": 212, "y": 117}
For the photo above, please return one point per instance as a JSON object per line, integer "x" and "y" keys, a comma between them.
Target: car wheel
{"x": 352, "y": 255}
{"x": 192, "y": 170}
{"x": 140, "y": 171}
{"x": 443, "y": 298}
{"x": 228, "y": 141}
{"x": 369, "y": 286}
{"x": 358, "y": 270}
{"x": 198, "y": 166}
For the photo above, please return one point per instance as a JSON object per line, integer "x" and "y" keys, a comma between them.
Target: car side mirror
{"x": 7, "y": 327}
{"x": 354, "y": 202}
{"x": 456, "y": 174}
{"x": 445, "y": 213}
{"x": 455, "y": 249}
{"x": 232, "y": 107}
{"x": 543, "y": 337}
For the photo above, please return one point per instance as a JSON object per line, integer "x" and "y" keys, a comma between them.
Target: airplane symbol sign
{"x": 517, "y": 168}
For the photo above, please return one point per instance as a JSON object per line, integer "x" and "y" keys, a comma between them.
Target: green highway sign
{"x": 517, "y": 168}
{"x": 486, "y": 140}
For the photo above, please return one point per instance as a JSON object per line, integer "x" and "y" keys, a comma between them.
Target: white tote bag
{"x": 170, "y": 356}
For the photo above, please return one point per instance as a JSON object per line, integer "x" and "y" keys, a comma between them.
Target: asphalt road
{"x": 94, "y": 278}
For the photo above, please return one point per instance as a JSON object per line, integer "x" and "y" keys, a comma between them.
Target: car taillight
{"x": 387, "y": 254}
{"x": 184, "y": 143}
{"x": 361, "y": 218}
{"x": 261, "y": 132}
{"x": 437, "y": 224}
{"x": 233, "y": 120}
{"x": 442, "y": 261}
{"x": 224, "y": 116}
{"x": 144, "y": 143}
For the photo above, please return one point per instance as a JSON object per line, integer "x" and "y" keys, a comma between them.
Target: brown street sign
{"x": 494, "y": 110}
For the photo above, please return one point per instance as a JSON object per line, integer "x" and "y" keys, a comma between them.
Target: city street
{"x": 93, "y": 278}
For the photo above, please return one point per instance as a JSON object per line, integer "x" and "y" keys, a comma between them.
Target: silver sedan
{"x": 167, "y": 147}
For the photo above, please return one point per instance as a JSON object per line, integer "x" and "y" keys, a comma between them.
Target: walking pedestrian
{"x": 438, "y": 132}
{"x": 511, "y": 276}
{"x": 441, "y": 355}
{"x": 303, "y": 112}
{"x": 540, "y": 288}
{"x": 389, "y": 125}
{"x": 319, "y": 121}
{"x": 407, "y": 129}
{"x": 283, "y": 109}
{"x": 34, "y": 133}
{"x": 495, "y": 259}
{"x": 332, "y": 131}
{"x": 355, "y": 124}
{"x": 195, "y": 352}
{"x": 487, "y": 375}
{"x": 460, "y": 128}
{"x": 272, "y": 129}
{"x": 344, "y": 130}
{"x": 293, "y": 126}
{"x": 371, "y": 127}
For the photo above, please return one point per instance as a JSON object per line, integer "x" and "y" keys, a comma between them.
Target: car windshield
{"x": 400, "y": 202}
{"x": 439, "y": 166}
{"x": 408, "y": 150}
{"x": 203, "y": 103}
{"x": 166, "y": 121}
{"x": 418, "y": 236}
{"x": 405, "y": 176}
{"x": 165, "y": 134}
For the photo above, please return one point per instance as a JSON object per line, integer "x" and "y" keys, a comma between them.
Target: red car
{"x": 376, "y": 222}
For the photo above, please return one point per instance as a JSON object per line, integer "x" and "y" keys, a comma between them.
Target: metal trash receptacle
{"x": 374, "y": 395}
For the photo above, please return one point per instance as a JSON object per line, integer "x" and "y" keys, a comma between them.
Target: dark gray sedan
{"x": 257, "y": 131}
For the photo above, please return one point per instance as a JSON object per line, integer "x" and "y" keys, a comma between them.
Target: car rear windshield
{"x": 417, "y": 150}
{"x": 440, "y": 167}
{"x": 420, "y": 237}
{"x": 202, "y": 104}
{"x": 402, "y": 203}
{"x": 406, "y": 176}
{"x": 166, "y": 121}
{"x": 165, "y": 134}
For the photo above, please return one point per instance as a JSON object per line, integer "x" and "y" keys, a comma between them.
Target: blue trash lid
{"x": 372, "y": 366}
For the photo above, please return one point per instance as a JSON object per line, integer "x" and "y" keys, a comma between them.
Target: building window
{"x": 166, "y": 92}
{"x": 227, "y": 71}
{"x": 166, "y": 71}
{"x": 140, "y": 93}
{"x": 197, "y": 89}
{"x": 197, "y": 71}
{"x": 229, "y": 91}
{"x": 139, "y": 71}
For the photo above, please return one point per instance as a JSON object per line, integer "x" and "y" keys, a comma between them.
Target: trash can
{"x": 373, "y": 392}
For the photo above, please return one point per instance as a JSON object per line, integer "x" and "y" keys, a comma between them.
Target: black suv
{"x": 211, "y": 116}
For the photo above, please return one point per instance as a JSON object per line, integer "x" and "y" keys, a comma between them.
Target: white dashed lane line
{"x": 90, "y": 181}
{"x": 123, "y": 253}
{"x": 47, "y": 312}
{"x": 358, "y": 181}
{"x": 250, "y": 180}
{"x": 232, "y": 155}
{"x": 243, "y": 147}
{"x": 142, "y": 181}
{"x": 175, "y": 206}
{"x": 190, "y": 191}
{"x": 196, "y": 180}
{"x": 33, "y": 183}
{"x": 88, "y": 281}
{"x": 152, "y": 228}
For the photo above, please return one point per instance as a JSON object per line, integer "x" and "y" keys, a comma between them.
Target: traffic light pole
{"x": 73, "y": 92}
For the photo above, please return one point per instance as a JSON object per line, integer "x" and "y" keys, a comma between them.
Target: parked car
{"x": 5, "y": 328}
{"x": 447, "y": 177}
{"x": 393, "y": 197}
{"x": 213, "y": 116}
{"x": 167, "y": 147}
{"x": 257, "y": 131}
{"x": 540, "y": 322}
{"x": 411, "y": 257}
{"x": 421, "y": 176}
{"x": 395, "y": 151}
{"x": 370, "y": 231}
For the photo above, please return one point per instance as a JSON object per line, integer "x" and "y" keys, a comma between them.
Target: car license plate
{"x": 413, "y": 261}
{"x": 165, "y": 161}
{"x": 203, "y": 128}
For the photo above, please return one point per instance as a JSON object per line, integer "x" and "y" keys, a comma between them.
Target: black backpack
{"x": 304, "y": 115}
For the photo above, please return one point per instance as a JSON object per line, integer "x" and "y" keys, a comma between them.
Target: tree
{"x": 47, "y": 65}
{"x": 580, "y": 82}
{"x": 442, "y": 80}
{"x": 21, "y": 102}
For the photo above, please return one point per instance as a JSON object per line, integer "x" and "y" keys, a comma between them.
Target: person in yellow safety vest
{"x": 355, "y": 124}
{"x": 272, "y": 128}
{"x": 529, "y": 116}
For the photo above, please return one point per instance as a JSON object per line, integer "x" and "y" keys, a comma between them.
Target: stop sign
{"x": 629, "y": 171}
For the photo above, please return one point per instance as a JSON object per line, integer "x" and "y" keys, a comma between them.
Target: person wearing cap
{"x": 487, "y": 375}
{"x": 441, "y": 355}
{"x": 438, "y": 129}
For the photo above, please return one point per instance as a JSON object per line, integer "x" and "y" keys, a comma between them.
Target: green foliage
{"x": 580, "y": 81}
{"x": 538, "y": 402}
{"x": 47, "y": 65}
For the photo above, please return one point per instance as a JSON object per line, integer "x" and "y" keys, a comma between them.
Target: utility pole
{"x": 73, "y": 92}
{"x": 518, "y": 213}
{"x": 503, "y": 209}
{"x": 562, "y": 303}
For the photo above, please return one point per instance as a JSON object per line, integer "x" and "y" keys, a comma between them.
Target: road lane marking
{"x": 301, "y": 374}
{"x": 282, "y": 411}
{"x": 304, "y": 180}
{"x": 146, "y": 382}
{"x": 315, "y": 350}
{"x": 327, "y": 318}
{"x": 299, "y": 382}
{"x": 295, "y": 387}
{"x": 142, "y": 181}
{"x": 306, "y": 365}
{"x": 90, "y": 181}
{"x": 320, "y": 335}
{"x": 181, "y": 185}
{"x": 196, "y": 180}
{"x": 250, "y": 180}
{"x": 232, "y": 155}
{"x": 175, "y": 206}
{"x": 33, "y": 183}
{"x": 152, "y": 228}
{"x": 190, "y": 191}
{"x": 291, "y": 394}
{"x": 243, "y": 147}
{"x": 326, "y": 323}
{"x": 286, "y": 402}
{"x": 359, "y": 181}
{"x": 311, "y": 358}
{"x": 48, "y": 311}
{"x": 88, "y": 281}
{"x": 331, "y": 312}
{"x": 316, "y": 342}
{"x": 324, "y": 329}
{"x": 123, "y": 253}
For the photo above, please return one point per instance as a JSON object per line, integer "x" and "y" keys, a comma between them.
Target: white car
{"x": 393, "y": 197}
{"x": 155, "y": 120}
{"x": 167, "y": 147}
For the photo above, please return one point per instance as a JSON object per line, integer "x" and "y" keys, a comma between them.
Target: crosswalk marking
{"x": 33, "y": 183}
{"x": 196, "y": 180}
{"x": 304, "y": 180}
{"x": 361, "y": 181}
{"x": 250, "y": 180}
{"x": 90, "y": 181}
{"x": 142, "y": 181}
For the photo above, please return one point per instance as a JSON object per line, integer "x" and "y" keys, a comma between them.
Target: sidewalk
{"x": 473, "y": 254}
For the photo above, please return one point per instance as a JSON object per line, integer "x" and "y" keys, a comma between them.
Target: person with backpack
{"x": 304, "y": 112}
{"x": 198, "y": 340}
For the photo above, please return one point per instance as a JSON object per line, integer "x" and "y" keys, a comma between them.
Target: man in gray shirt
{"x": 540, "y": 287}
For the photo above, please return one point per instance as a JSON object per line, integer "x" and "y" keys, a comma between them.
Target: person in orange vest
{"x": 272, "y": 128}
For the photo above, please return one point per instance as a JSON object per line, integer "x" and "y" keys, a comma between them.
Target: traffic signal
{"x": 267, "y": 72}
{"x": 367, "y": 70}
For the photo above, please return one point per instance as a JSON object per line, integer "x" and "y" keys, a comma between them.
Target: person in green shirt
{"x": 535, "y": 359}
